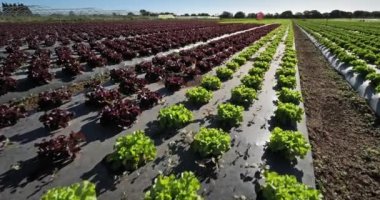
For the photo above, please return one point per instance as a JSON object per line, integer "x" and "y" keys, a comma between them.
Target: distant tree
{"x": 130, "y": 14}
{"x": 276, "y": 15}
{"x": 348, "y": 14}
{"x": 362, "y": 14}
{"x": 251, "y": 15}
{"x": 306, "y": 14}
{"x": 239, "y": 14}
{"x": 269, "y": 15}
{"x": 203, "y": 14}
{"x": 144, "y": 12}
{"x": 326, "y": 15}
{"x": 286, "y": 14}
{"x": 186, "y": 14}
{"x": 375, "y": 14}
{"x": 193, "y": 14}
{"x": 336, "y": 14}
{"x": 226, "y": 14}
{"x": 315, "y": 14}
{"x": 71, "y": 13}
{"x": 298, "y": 15}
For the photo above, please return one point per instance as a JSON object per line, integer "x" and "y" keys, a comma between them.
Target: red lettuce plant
{"x": 174, "y": 83}
{"x": 95, "y": 61}
{"x": 61, "y": 147}
{"x": 131, "y": 85}
{"x": 100, "y": 96}
{"x": 143, "y": 67}
{"x": 153, "y": 74}
{"x": 190, "y": 73}
{"x": 129, "y": 54}
{"x": 72, "y": 67}
{"x": 204, "y": 66}
{"x": 112, "y": 56}
{"x": 56, "y": 119}
{"x": 118, "y": 75}
{"x": 9, "y": 115}
{"x": 48, "y": 100}
{"x": 174, "y": 66}
{"x": 40, "y": 76}
{"x": 148, "y": 99}
{"x": 122, "y": 113}
{"x": 7, "y": 84}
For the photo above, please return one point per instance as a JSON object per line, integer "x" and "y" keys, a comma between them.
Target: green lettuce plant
{"x": 232, "y": 65}
{"x": 198, "y": 95}
{"x": 286, "y": 81}
{"x": 224, "y": 73}
{"x": 374, "y": 78}
{"x": 287, "y": 95}
{"x": 78, "y": 191}
{"x": 243, "y": 95}
{"x": 211, "y": 82}
{"x": 286, "y": 71}
{"x": 261, "y": 64}
{"x": 171, "y": 188}
{"x": 174, "y": 116}
{"x": 363, "y": 70}
{"x": 291, "y": 144}
{"x": 264, "y": 57}
{"x": 288, "y": 64}
{"x": 287, "y": 187}
{"x": 239, "y": 60}
{"x": 132, "y": 151}
{"x": 256, "y": 71}
{"x": 230, "y": 114}
{"x": 246, "y": 54}
{"x": 211, "y": 142}
{"x": 252, "y": 81}
{"x": 288, "y": 113}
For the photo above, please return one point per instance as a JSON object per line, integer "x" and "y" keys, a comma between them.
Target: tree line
{"x": 9, "y": 9}
{"x": 306, "y": 14}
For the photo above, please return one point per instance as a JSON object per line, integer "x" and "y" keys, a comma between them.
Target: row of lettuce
{"x": 284, "y": 139}
{"x": 365, "y": 47}
{"x": 359, "y": 66}
{"x": 368, "y": 29}
{"x": 137, "y": 149}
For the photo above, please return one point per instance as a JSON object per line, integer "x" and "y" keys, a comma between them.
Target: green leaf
{"x": 77, "y": 191}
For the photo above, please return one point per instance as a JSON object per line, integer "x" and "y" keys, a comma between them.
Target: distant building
{"x": 260, "y": 16}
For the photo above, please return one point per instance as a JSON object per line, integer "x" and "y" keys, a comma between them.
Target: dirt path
{"x": 343, "y": 130}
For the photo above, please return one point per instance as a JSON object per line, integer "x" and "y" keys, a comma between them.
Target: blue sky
{"x": 210, "y": 6}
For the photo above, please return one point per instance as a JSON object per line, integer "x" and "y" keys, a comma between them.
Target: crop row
{"x": 44, "y": 34}
{"x": 100, "y": 53}
{"x": 284, "y": 140}
{"x": 369, "y": 29}
{"x": 359, "y": 66}
{"x": 365, "y": 48}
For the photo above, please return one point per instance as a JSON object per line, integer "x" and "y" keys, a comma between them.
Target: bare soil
{"x": 344, "y": 131}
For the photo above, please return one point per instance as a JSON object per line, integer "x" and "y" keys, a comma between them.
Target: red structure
{"x": 260, "y": 16}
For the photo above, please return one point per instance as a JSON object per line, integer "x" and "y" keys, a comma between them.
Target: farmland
{"x": 189, "y": 109}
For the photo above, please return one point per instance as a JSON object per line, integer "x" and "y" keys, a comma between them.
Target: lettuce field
{"x": 189, "y": 109}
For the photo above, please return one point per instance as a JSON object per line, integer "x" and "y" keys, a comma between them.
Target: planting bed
{"x": 91, "y": 127}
